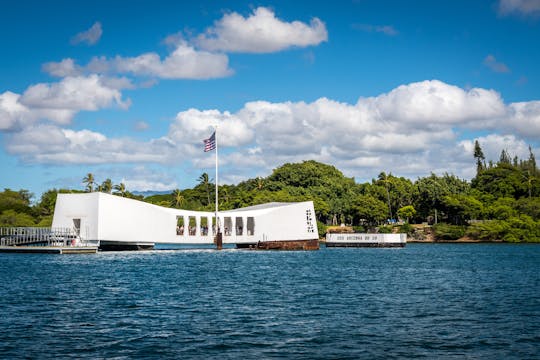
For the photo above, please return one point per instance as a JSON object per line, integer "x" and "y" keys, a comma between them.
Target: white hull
{"x": 366, "y": 240}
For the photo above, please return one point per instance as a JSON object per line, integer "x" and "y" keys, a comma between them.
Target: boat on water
{"x": 365, "y": 240}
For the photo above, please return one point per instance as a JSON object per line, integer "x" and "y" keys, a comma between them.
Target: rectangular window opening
{"x": 179, "y": 225}
{"x": 227, "y": 226}
{"x": 239, "y": 226}
{"x": 204, "y": 226}
{"x": 250, "y": 226}
{"x": 192, "y": 226}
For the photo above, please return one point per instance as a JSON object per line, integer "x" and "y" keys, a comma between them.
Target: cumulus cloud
{"x": 142, "y": 178}
{"x": 73, "y": 93}
{"x": 525, "y": 119}
{"x": 66, "y": 67}
{"x": 60, "y": 101}
{"x": 185, "y": 62}
{"x": 196, "y": 125}
{"x": 519, "y": 7}
{"x": 493, "y": 144}
{"x": 261, "y": 32}
{"x": 203, "y": 57}
{"x": 12, "y": 113}
{"x": 432, "y": 103}
{"x": 412, "y": 130}
{"x": 90, "y": 36}
{"x": 495, "y": 65}
{"x": 50, "y": 144}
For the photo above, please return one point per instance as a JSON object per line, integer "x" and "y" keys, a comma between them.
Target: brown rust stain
{"x": 289, "y": 245}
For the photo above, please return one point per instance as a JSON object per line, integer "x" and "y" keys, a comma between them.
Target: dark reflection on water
{"x": 423, "y": 301}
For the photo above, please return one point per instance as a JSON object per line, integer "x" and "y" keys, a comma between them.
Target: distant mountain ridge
{"x": 152, "y": 192}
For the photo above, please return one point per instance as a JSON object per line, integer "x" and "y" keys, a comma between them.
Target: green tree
{"x": 503, "y": 180}
{"x": 383, "y": 178}
{"x": 479, "y": 156}
{"x": 178, "y": 199}
{"x": 459, "y": 208}
{"x": 120, "y": 189}
{"x": 89, "y": 181}
{"x": 107, "y": 186}
{"x": 370, "y": 210}
{"x": 406, "y": 212}
{"x": 204, "y": 181}
{"x": 504, "y": 158}
{"x": 18, "y": 201}
{"x": 11, "y": 218}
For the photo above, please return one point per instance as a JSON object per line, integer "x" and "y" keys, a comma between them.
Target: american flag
{"x": 210, "y": 143}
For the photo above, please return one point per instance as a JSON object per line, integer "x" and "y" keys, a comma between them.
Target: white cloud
{"x": 50, "y": 144}
{"x": 66, "y": 67}
{"x": 142, "y": 178}
{"x": 411, "y": 131}
{"x": 491, "y": 62}
{"x": 60, "y": 101}
{"x": 12, "y": 113}
{"x": 493, "y": 144}
{"x": 73, "y": 93}
{"x": 185, "y": 62}
{"x": 192, "y": 126}
{"x": 261, "y": 32}
{"x": 525, "y": 119}
{"x": 90, "y": 36}
{"x": 520, "y": 7}
{"x": 434, "y": 103}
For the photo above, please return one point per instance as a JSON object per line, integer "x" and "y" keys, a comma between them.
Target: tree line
{"x": 502, "y": 202}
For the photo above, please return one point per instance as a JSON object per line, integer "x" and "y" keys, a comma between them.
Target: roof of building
{"x": 261, "y": 206}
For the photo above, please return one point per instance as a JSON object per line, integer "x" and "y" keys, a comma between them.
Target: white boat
{"x": 365, "y": 240}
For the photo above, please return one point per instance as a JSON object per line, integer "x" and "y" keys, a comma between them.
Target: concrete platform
{"x": 50, "y": 249}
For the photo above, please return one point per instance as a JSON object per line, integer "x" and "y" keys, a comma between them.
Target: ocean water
{"x": 454, "y": 301}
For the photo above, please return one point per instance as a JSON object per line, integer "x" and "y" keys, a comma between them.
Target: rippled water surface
{"x": 423, "y": 301}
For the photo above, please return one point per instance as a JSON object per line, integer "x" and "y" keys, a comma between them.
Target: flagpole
{"x": 219, "y": 239}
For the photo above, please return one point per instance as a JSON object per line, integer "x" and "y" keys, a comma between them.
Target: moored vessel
{"x": 365, "y": 240}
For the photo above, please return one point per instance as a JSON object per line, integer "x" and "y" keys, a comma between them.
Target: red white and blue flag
{"x": 210, "y": 143}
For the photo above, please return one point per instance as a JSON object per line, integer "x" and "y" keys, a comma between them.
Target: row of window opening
{"x": 188, "y": 226}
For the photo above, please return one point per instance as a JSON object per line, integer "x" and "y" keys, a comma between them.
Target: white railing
{"x": 43, "y": 236}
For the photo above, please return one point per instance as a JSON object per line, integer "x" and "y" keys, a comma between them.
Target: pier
{"x": 45, "y": 240}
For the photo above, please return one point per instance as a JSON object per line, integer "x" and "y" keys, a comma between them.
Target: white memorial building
{"x": 121, "y": 223}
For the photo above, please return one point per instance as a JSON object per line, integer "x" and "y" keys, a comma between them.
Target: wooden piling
{"x": 219, "y": 241}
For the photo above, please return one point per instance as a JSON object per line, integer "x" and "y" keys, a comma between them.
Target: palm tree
{"x": 530, "y": 178}
{"x": 224, "y": 192}
{"x": 120, "y": 189}
{"x": 260, "y": 183}
{"x": 384, "y": 179}
{"x": 89, "y": 181}
{"x": 178, "y": 198}
{"x": 107, "y": 186}
{"x": 205, "y": 180}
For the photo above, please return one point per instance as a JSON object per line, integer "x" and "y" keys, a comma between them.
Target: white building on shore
{"x": 122, "y": 223}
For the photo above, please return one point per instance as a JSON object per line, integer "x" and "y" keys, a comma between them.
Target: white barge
{"x": 119, "y": 223}
{"x": 365, "y": 240}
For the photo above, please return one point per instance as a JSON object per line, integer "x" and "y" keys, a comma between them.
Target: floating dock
{"x": 50, "y": 249}
{"x": 45, "y": 240}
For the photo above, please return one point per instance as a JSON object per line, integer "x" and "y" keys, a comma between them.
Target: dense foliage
{"x": 502, "y": 202}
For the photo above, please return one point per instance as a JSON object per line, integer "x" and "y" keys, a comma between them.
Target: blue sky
{"x": 128, "y": 90}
